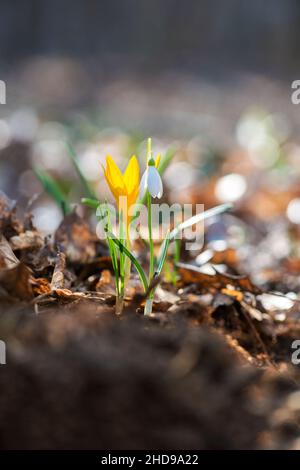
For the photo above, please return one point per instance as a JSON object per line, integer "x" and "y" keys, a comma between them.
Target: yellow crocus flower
{"x": 125, "y": 188}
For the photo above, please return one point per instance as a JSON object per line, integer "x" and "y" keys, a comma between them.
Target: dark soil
{"x": 85, "y": 380}
{"x": 209, "y": 369}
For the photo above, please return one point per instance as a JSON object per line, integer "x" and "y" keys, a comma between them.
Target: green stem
{"x": 151, "y": 245}
{"x": 122, "y": 257}
{"x": 148, "y": 306}
{"x": 119, "y": 304}
{"x": 127, "y": 266}
{"x": 149, "y": 300}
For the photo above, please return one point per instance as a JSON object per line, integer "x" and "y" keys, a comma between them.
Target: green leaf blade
{"x": 90, "y": 202}
{"x": 53, "y": 189}
{"x": 132, "y": 258}
{"x": 163, "y": 254}
{"x": 85, "y": 184}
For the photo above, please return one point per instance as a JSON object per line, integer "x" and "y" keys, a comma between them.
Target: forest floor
{"x": 211, "y": 368}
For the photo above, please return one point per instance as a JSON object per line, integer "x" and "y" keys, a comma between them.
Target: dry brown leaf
{"x": 106, "y": 283}
{"x": 9, "y": 223}
{"x": 58, "y": 278}
{"x": 228, "y": 257}
{"x": 68, "y": 294}
{"x": 75, "y": 239}
{"x": 192, "y": 274}
{"x": 14, "y": 276}
{"x": 236, "y": 294}
{"x": 30, "y": 239}
{"x": 7, "y": 257}
{"x": 16, "y": 281}
{"x": 40, "y": 286}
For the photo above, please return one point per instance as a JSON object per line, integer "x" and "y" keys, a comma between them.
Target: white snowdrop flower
{"x": 151, "y": 180}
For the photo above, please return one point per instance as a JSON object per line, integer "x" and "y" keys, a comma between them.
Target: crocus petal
{"x": 154, "y": 182}
{"x": 115, "y": 190}
{"x": 131, "y": 176}
{"x": 114, "y": 174}
{"x": 114, "y": 179}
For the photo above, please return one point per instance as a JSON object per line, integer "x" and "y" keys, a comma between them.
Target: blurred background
{"x": 210, "y": 79}
{"x": 210, "y": 82}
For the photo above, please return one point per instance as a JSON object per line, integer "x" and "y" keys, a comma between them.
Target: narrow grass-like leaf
{"x": 111, "y": 247}
{"x": 199, "y": 217}
{"x": 177, "y": 250}
{"x": 132, "y": 258}
{"x": 166, "y": 160}
{"x": 53, "y": 189}
{"x": 162, "y": 255}
{"x": 93, "y": 203}
{"x": 113, "y": 254}
{"x": 176, "y": 259}
{"x": 114, "y": 260}
{"x": 84, "y": 182}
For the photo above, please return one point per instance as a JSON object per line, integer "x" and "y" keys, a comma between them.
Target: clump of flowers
{"x": 127, "y": 189}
